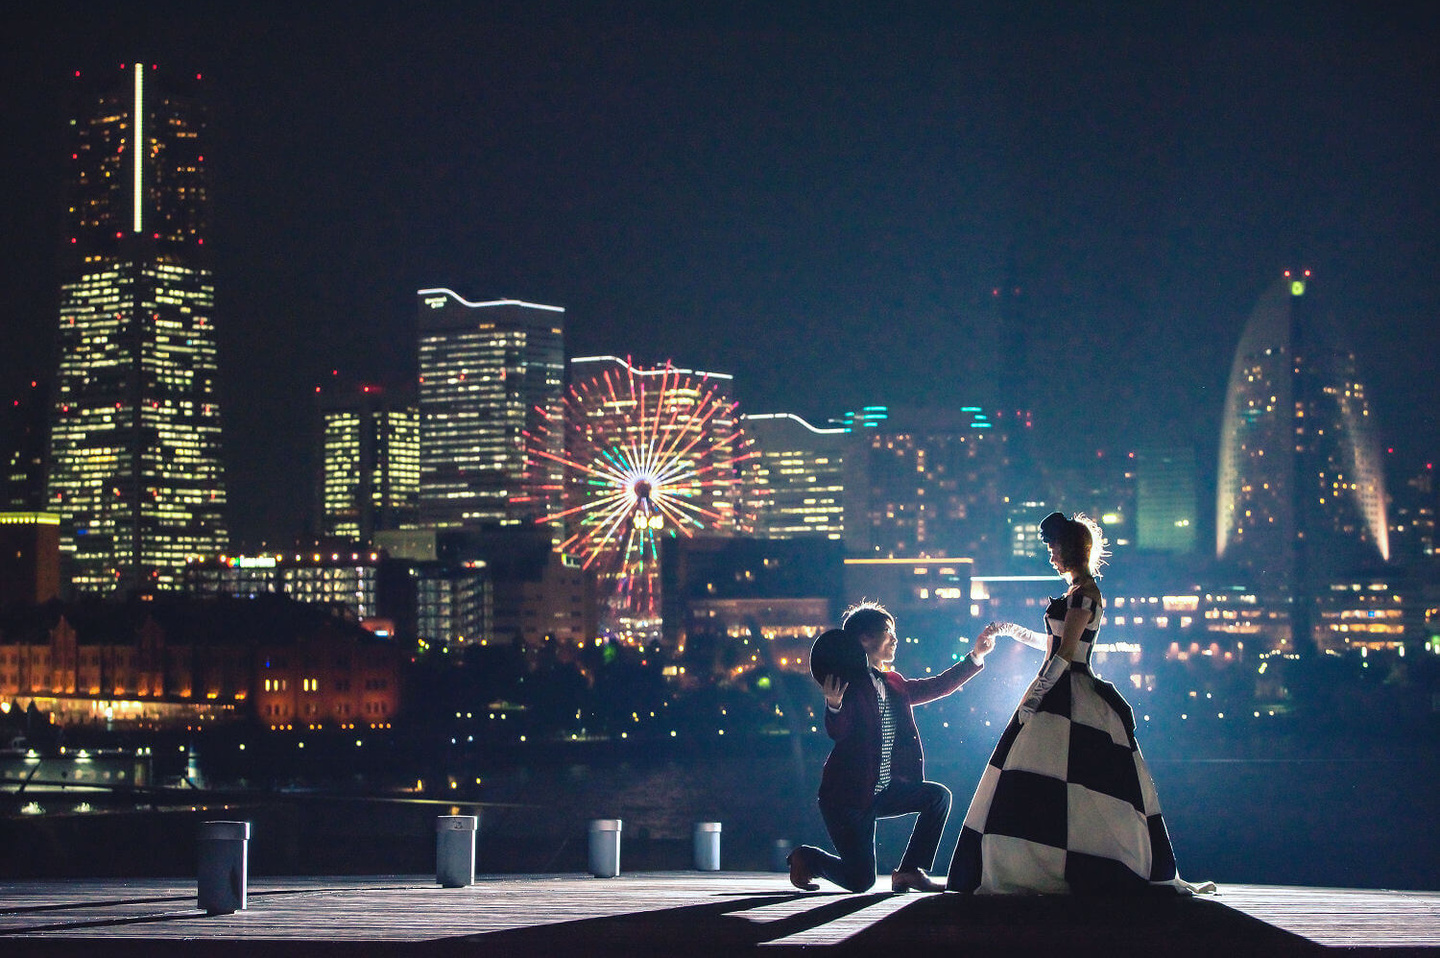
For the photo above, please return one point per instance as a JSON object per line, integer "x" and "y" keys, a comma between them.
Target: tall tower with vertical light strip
{"x": 490, "y": 372}
{"x": 136, "y": 474}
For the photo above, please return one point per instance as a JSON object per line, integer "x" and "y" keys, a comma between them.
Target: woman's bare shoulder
{"x": 1089, "y": 589}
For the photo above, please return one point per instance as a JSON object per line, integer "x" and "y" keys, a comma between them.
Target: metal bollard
{"x": 605, "y": 847}
{"x": 707, "y": 846}
{"x": 780, "y": 855}
{"x": 223, "y": 866}
{"x": 455, "y": 850}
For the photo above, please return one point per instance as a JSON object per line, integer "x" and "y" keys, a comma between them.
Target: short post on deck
{"x": 223, "y": 867}
{"x": 605, "y": 847}
{"x": 780, "y": 855}
{"x": 707, "y": 846}
{"x": 455, "y": 850}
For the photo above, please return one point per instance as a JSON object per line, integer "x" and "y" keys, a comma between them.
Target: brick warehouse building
{"x": 175, "y": 660}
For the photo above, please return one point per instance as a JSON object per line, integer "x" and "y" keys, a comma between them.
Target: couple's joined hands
{"x": 996, "y": 628}
{"x": 985, "y": 641}
{"x": 834, "y": 688}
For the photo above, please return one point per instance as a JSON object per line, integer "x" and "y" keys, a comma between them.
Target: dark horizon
{"x": 819, "y": 204}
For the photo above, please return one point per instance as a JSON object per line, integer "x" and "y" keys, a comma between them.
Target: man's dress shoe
{"x": 913, "y": 879}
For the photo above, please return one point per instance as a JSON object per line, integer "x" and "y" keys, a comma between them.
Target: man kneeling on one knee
{"x": 876, "y": 768}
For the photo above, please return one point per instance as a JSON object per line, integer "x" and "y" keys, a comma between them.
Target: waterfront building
{"x": 454, "y": 604}
{"x": 799, "y": 477}
{"x": 1298, "y": 457}
{"x": 353, "y": 581}
{"x": 1103, "y": 486}
{"x": 496, "y": 587}
{"x": 370, "y": 466}
{"x": 489, "y": 372}
{"x": 170, "y": 660}
{"x": 1301, "y": 495}
{"x": 925, "y": 592}
{"x": 548, "y": 602}
{"x": 735, "y": 605}
{"x": 136, "y": 473}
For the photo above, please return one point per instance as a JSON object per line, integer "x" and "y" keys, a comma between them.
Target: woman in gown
{"x": 1066, "y": 803}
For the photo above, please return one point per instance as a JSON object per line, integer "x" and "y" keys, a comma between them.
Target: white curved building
{"x": 1301, "y": 490}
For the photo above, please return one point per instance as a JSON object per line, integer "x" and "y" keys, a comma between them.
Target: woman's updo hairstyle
{"x": 1080, "y": 541}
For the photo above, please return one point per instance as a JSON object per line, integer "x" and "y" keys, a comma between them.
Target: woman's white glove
{"x": 1049, "y": 674}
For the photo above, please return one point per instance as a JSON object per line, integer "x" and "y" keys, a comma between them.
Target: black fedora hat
{"x": 838, "y": 653}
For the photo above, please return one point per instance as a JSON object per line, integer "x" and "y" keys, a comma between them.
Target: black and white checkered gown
{"x": 1066, "y": 803}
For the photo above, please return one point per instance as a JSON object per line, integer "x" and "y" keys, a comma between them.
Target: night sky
{"x": 816, "y": 200}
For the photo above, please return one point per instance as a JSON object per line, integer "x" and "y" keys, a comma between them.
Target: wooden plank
{"x": 846, "y": 927}
{"x": 403, "y": 909}
{"x": 1343, "y": 917}
{"x": 781, "y": 910}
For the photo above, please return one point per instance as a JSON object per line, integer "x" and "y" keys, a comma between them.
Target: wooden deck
{"x": 692, "y": 914}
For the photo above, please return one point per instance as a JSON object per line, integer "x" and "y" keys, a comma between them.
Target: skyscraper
{"x": 799, "y": 477}
{"x": 489, "y": 372}
{"x": 928, "y": 482}
{"x": 370, "y": 477}
{"x": 1165, "y": 502}
{"x": 136, "y": 474}
{"x": 1301, "y": 493}
{"x": 24, "y": 433}
{"x": 1022, "y": 521}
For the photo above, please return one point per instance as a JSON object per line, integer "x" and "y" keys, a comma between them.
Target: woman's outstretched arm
{"x": 1036, "y": 640}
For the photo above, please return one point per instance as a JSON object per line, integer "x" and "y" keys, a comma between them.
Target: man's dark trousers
{"x": 852, "y": 831}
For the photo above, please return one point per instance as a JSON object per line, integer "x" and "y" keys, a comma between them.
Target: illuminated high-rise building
{"x": 489, "y": 373}
{"x": 1022, "y": 521}
{"x": 1165, "y": 501}
{"x": 370, "y": 477}
{"x": 1412, "y": 516}
{"x": 799, "y": 477}
{"x": 24, "y": 433}
{"x": 1301, "y": 491}
{"x": 136, "y": 473}
{"x": 928, "y": 482}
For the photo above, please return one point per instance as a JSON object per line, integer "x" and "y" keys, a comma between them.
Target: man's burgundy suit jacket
{"x": 853, "y": 767}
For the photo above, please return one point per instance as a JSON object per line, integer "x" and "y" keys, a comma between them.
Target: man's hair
{"x": 866, "y": 618}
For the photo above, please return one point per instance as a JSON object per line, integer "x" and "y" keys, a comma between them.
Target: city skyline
{"x": 836, "y": 211}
